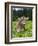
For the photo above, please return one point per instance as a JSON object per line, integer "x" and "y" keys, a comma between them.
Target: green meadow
{"x": 25, "y": 33}
{"x": 17, "y": 13}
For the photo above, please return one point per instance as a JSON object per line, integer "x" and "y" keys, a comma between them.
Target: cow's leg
{"x": 24, "y": 27}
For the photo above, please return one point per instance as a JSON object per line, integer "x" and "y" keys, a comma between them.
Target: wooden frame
{"x": 7, "y": 22}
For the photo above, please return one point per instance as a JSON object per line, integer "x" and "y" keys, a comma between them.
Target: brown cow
{"x": 21, "y": 23}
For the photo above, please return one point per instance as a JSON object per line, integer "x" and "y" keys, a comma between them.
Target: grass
{"x": 25, "y": 33}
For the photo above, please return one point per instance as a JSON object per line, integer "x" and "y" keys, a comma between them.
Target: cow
{"x": 21, "y": 23}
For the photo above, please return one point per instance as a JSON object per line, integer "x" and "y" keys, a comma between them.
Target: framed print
{"x": 20, "y": 22}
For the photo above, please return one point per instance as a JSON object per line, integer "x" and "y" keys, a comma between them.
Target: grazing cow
{"x": 21, "y": 23}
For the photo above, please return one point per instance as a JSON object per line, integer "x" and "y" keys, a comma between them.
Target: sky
{"x": 18, "y": 9}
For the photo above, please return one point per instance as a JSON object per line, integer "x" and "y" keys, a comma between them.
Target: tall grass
{"x": 25, "y": 33}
